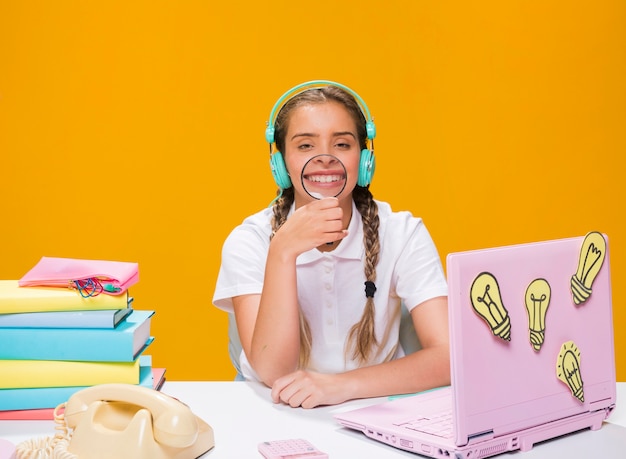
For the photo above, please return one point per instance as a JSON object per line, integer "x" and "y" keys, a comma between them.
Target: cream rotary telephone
{"x": 123, "y": 421}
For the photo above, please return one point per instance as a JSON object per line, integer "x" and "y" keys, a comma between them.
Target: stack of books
{"x": 55, "y": 342}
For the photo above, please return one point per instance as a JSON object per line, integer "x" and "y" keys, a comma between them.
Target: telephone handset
{"x": 128, "y": 421}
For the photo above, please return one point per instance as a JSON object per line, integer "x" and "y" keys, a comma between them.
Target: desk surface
{"x": 243, "y": 415}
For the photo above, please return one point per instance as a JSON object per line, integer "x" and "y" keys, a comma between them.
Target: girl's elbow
{"x": 268, "y": 374}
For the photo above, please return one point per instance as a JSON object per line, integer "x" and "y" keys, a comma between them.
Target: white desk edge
{"x": 242, "y": 415}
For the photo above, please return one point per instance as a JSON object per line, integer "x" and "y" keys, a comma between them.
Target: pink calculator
{"x": 290, "y": 449}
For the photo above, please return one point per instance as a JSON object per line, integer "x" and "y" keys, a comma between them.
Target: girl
{"x": 317, "y": 285}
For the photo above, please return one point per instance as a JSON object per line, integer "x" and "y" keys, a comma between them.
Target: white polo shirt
{"x": 331, "y": 285}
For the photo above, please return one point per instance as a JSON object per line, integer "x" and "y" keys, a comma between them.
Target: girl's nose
{"x": 326, "y": 159}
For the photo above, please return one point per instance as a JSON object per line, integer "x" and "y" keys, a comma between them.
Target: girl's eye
{"x": 343, "y": 145}
{"x": 305, "y": 146}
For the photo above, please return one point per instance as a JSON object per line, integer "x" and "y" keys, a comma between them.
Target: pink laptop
{"x": 532, "y": 354}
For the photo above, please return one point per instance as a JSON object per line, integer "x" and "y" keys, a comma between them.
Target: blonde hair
{"x": 362, "y": 336}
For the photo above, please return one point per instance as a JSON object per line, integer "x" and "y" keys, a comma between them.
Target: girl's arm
{"x": 422, "y": 370}
{"x": 269, "y": 324}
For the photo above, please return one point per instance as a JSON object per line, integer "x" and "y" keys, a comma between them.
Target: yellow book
{"x": 58, "y": 373}
{"x": 15, "y": 299}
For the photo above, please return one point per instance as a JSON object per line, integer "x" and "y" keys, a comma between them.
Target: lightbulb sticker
{"x": 568, "y": 369}
{"x": 537, "y": 301}
{"x": 487, "y": 302}
{"x": 590, "y": 261}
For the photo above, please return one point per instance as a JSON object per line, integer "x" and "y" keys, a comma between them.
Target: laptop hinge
{"x": 478, "y": 437}
{"x": 602, "y": 406}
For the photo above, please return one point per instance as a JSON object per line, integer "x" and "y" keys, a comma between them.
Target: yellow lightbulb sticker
{"x": 568, "y": 369}
{"x": 590, "y": 261}
{"x": 487, "y": 302}
{"x": 537, "y": 302}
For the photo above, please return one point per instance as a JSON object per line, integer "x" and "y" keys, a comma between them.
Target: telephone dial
{"x": 123, "y": 421}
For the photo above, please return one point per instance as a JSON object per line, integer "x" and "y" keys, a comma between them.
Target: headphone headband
{"x": 269, "y": 131}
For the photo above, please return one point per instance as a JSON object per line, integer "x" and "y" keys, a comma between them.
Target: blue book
{"x": 120, "y": 344}
{"x": 51, "y": 397}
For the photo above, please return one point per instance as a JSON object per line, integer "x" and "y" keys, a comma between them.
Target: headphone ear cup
{"x": 367, "y": 166}
{"x": 279, "y": 170}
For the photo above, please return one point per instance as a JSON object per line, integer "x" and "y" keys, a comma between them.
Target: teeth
{"x": 325, "y": 178}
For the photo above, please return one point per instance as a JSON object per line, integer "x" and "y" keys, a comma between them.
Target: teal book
{"x": 51, "y": 397}
{"x": 120, "y": 344}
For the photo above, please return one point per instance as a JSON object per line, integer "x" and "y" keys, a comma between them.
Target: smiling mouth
{"x": 325, "y": 178}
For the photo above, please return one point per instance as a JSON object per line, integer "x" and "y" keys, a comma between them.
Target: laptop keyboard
{"x": 438, "y": 424}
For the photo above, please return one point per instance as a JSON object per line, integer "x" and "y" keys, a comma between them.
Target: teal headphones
{"x": 367, "y": 163}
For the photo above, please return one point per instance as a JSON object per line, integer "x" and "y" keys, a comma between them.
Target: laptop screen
{"x": 531, "y": 334}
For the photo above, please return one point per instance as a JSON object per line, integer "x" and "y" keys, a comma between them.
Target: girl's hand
{"x": 312, "y": 225}
{"x": 308, "y": 389}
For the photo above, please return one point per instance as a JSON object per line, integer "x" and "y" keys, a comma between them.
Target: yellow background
{"x": 133, "y": 131}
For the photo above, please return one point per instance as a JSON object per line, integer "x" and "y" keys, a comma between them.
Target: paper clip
{"x": 88, "y": 287}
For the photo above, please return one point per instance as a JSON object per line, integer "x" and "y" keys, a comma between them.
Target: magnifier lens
{"x": 324, "y": 176}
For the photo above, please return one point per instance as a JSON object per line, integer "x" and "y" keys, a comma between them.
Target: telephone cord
{"x": 48, "y": 447}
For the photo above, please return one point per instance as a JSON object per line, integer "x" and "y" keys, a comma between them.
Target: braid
{"x": 281, "y": 210}
{"x": 362, "y": 335}
{"x": 306, "y": 342}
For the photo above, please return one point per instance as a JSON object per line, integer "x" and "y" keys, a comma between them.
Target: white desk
{"x": 243, "y": 415}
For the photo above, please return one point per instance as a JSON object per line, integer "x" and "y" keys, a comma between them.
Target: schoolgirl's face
{"x": 321, "y": 140}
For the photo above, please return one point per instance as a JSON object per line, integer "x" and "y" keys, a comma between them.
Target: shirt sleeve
{"x": 242, "y": 270}
{"x": 419, "y": 271}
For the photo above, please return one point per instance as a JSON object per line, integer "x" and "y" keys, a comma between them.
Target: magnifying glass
{"x": 324, "y": 176}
